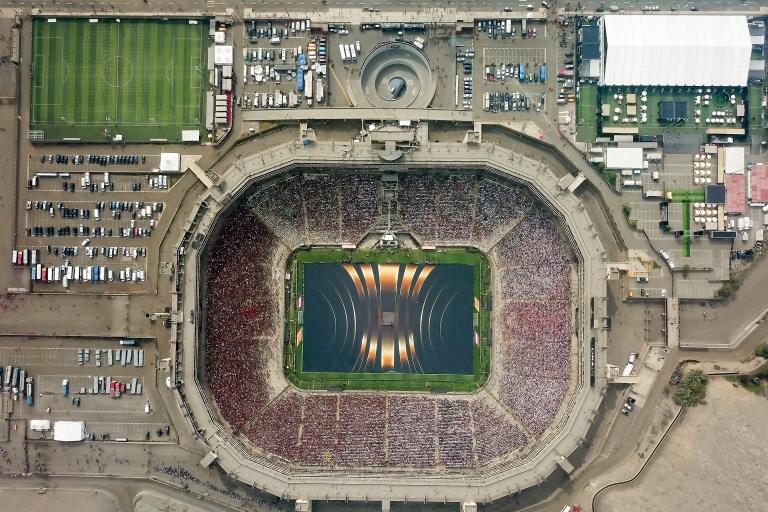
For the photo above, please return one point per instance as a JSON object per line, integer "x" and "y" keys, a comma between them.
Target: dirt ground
{"x": 712, "y": 460}
{"x": 83, "y": 500}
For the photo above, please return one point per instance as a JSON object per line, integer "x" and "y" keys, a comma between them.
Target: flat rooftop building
{"x": 676, "y": 50}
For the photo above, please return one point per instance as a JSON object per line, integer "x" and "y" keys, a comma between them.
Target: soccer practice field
{"x": 143, "y": 79}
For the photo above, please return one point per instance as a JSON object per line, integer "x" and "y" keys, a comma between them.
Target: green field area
{"x": 143, "y": 79}
{"x": 719, "y": 101}
{"x": 686, "y": 197}
{"x": 589, "y": 121}
{"x": 389, "y": 380}
{"x": 587, "y": 111}
{"x": 758, "y": 122}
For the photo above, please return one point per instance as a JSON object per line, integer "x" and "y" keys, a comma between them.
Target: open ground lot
{"x": 142, "y": 79}
{"x": 711, "y": 459}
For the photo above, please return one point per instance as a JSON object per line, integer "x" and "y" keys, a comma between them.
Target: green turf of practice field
{"x": 143, "y": 79}
{"x": 386, "y": 380}
{"x": 757, "y": 118}
{"x": 586, "y": 113}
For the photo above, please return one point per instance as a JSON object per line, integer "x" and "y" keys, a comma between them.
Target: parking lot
{"x": 512, "y": 69}
{"x": 275, "y": 54}
{"x": 89, "y": 397}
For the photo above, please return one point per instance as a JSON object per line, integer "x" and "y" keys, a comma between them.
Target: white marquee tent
{"x": 68, "y": 431}
{"x": 676, "y": 50}
{"x": 624, "y": 158}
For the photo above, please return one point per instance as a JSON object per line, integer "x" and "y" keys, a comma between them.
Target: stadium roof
{"x": 676, "y": 50}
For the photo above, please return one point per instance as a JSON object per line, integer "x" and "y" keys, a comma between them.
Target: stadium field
{"x": 143, "y": 79}
{"x": 401, "y": 320}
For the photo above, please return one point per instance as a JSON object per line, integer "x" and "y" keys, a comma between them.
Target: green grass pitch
{"x": 143, "y": 79}
{"x": 388, "y": 381}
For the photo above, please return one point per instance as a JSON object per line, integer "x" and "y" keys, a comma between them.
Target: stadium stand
{"x": 532, "y": 343}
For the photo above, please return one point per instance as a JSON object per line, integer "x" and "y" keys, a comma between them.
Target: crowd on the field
{"x": 357, "y": 429}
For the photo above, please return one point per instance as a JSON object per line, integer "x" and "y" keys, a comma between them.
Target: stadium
{"x": 425, "y": 324}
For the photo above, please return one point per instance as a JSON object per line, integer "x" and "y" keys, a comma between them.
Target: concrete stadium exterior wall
{"x": 482, "y": 485}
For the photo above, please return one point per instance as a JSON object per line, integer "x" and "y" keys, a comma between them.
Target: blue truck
{"x": 65, "y": 387}
{"x": 543, "y": 73}
{"x": 299, "y": 80}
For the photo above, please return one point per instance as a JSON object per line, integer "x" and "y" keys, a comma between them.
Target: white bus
{"x": 342, "y": 52}
{"x": 353, "y": 53}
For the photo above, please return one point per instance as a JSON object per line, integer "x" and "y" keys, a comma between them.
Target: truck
{"x": 308, "y": 82}
{"x": 508, "y": 27}
{"x": 543, "y": 73}
{"x": 65, "y": 387}
{"x": 653, "y": 194}
{"x": 128, "y": 342}
{"x": 29, "y": 391}
{"x": 522, "y": 72}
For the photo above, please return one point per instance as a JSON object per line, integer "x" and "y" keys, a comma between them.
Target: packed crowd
{"x": 281, "y": 208}
{"x": 533, "y": 241}
{"x": 411, "y": 431}
{"x": 319, "y": 208}
{"x": 241, "y": 315}
{"x": 352, "y": 429}
{"x": 454, "y": 433}
{"x": 495, "y": 434}
{"x": 318, "y": 436}
{"x": 321, "y": 202}
{"x": 360, "y": 202}
{"x": 362, "y": 428}
{"x": 276, "y": 428}
{"x": 498, "y": 207}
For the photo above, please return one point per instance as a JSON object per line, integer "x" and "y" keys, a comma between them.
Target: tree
{"x": 692, "y": 390}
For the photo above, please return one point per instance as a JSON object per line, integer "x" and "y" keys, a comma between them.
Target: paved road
{"x": 384, "y": 5}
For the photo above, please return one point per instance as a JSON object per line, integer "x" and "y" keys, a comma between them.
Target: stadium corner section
{"x": 391, "y": 381}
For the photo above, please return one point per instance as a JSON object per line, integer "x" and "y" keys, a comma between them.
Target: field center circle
{"x": 124, "y": 67}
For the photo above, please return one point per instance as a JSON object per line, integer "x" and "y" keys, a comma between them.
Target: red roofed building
{"x": 759, "y": 180}
{"x": 735, "y": 193}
